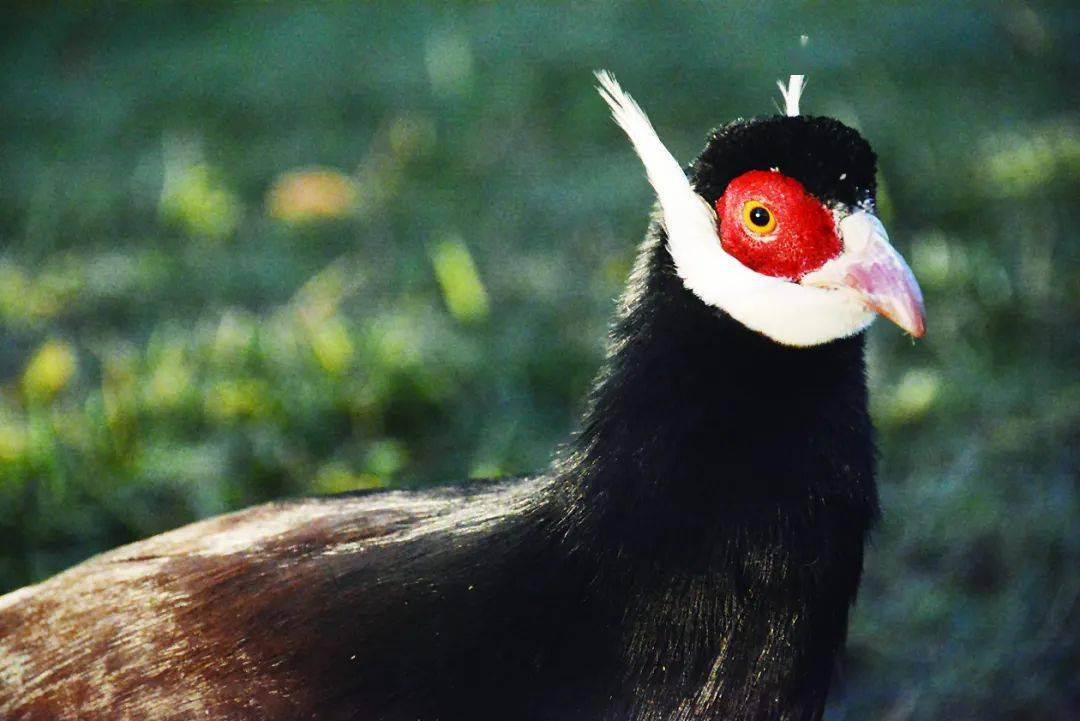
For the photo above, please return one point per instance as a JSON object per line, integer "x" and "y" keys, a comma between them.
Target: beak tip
{"x": 915, "y": 321}
{"x": 910, "y": 318}
{"x": 917, "y": 327}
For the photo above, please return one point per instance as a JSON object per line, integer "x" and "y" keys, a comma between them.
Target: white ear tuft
{"x": 664, "y": 172}
{"x": 690, "y": 221}
{"x": 792, "y": 93}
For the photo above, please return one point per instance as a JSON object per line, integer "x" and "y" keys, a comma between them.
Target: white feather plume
{"x": 672, "y": 187}
{"x": 689, "y": 220}
{"x": 792, "y": 93}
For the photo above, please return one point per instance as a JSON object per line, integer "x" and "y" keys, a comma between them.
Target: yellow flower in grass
{"x": 199, "y": 202}
{"x": 331, "y": 345}
{"x": 312, "y": 194}
{"x": 49, "y": 371}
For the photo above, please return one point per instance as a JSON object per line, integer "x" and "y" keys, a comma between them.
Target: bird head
{"x": 775, "y": 224}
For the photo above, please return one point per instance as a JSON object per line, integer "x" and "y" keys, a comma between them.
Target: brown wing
{"x": 162, "y": 629}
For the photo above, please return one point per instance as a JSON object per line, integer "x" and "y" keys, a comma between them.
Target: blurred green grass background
{"x": 255, "y": 251}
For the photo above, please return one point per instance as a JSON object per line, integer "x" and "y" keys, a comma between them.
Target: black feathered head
{"x": 775, "y": 224}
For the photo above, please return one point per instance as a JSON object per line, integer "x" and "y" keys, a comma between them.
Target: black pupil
{"x": 759, "y": 217}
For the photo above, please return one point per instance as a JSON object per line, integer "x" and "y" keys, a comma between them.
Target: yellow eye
{"x": 758, "y": 218}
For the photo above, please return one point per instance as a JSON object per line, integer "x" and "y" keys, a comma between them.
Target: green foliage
{"x": 259, "y": 251}
{"x": 461, "y": 286}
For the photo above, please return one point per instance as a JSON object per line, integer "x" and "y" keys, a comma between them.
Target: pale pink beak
{"x": 872, "y": 268}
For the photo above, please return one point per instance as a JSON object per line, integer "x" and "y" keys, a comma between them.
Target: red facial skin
{"x": 805, "y": 236}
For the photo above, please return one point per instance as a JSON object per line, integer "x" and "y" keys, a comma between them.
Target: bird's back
{"x": 227, "y": 618}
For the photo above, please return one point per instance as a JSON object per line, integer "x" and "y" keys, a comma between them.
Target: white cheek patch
{"x": 786, "y": 312}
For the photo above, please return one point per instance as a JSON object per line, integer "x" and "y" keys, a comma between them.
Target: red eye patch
{"x": 770, "y": 224}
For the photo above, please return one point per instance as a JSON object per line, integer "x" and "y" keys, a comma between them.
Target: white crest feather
{"x": 792, "y": 93}
{"x": 787, "y": 312}
{"x": 686, "y": 214}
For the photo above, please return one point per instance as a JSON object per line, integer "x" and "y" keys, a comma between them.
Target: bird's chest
{"x": 750, "y": 633}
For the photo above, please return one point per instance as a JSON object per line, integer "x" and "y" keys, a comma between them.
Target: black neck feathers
{"x": 728, "y": 481}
